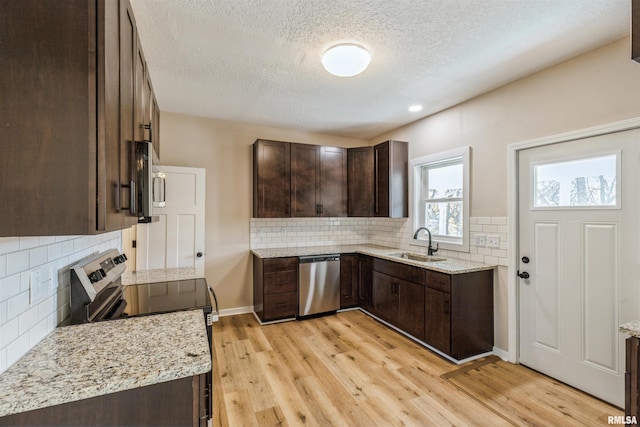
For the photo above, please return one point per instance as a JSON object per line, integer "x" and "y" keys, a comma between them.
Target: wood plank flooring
{"x": 350, "y": 370}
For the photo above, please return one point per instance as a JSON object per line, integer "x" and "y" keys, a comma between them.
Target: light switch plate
{"x": 493, "y": 241}
{"x": 480, "y": 240}
{"x": 37, "y": 288}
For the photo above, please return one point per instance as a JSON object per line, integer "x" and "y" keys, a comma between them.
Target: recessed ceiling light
{"x": 346, "y": 60}
{"x": 415, "y": 108}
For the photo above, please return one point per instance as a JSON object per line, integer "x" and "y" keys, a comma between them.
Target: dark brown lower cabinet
{"x": 172, "y": 403}
{"x": 365, "y": 282}
{"x": 438, "y": 320}
{"x": 348, "y": 280}
{"x": 400, "y": 303}
{"x": 459, "y": 313}
{"x": 632, "y": 378}
{"x": 275, "y": 288}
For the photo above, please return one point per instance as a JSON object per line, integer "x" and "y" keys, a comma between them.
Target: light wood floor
{"x": 350, "y": 370}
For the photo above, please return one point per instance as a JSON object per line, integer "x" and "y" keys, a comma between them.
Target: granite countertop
{"x": 632, "y": 328}
{"x": 448, "y": 266}
{"x": 159, "y": 275}
{"x": 83, "y": 361}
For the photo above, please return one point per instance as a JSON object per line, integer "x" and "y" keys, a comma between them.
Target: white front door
{"x": 578, "y": 243}
{"x": 177, "y": 239}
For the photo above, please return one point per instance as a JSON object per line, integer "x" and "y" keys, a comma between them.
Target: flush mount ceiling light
{"x": 346, "y": 60}
{"x": 415, "y": 108}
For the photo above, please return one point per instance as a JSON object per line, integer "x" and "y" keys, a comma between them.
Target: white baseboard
{"x": 504, "y": 355}
{"x": 237, "y": 310}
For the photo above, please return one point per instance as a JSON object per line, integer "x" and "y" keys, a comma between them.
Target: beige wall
{"x": 223, "y": 148}
{"x": 601, "y": 86}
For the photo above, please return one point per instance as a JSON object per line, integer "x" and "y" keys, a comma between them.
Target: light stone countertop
{"x": 448, "y": 266}
{"x": 83, "y": 361}
{"x": 160, "y": 275}
{"x": 632, "y": 328}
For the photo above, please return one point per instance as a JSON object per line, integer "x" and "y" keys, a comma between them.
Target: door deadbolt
{"x": 525, "y": 259}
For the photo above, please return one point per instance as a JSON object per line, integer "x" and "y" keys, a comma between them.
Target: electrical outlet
{"x": 480, "y": 240}
{"x": 493, "y": 241}
{"x": 38, "y": 288}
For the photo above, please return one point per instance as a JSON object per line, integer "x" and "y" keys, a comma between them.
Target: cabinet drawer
{"x": 439, "y": 281}
{"x": 280, "y": 282}
{"x": 401, "y": 271}
{"x": 274, "y": 265}
{"x": 279, "y": 306}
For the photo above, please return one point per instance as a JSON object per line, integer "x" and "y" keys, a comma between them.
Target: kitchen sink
{"x": 418, "y": 257}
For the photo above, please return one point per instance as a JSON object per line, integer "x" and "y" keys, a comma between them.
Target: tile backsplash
{"x": 23, "y": 322}
{"x": 302, "y": 232}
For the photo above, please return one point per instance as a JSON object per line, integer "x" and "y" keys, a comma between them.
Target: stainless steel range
{"x": 97, "y": 294}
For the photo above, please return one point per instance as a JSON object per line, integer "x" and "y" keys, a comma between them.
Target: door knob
{"x": 199, "y": 254}
{"x": 523, "y": 275}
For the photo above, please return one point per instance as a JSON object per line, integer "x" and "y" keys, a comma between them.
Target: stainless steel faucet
{"x": 430, "y": 249}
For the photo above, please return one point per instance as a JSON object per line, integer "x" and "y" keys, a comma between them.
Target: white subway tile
{"x": 29, "y": 242}
{"x": 484, "y": 251}
{"x": 9, "y": 287}
{"x": 27, "y": 320}
{"x": 491, "y": 260}
{"x": 25, "y": 281}
{"x": 3, "y": 360}
{"x": 484, "y": 220}
{"x": 490, "y": 228}
{"x": 9, "y": 244}
{"x": 38, "y": 256}
{"x": 501, "y": 220}
{"x": 46, "y": 240}
{"x": 8, "y": 332}
{"x": 18, "y": 305}
{"x": 39, "y": 331}
{"x": 54, "y": 251}
{"x": 17, "y": 262}
{"x": 475, "y": 228}
{"x": 3, "y": 266}
{"x": 17, "y": 349}
{"x": 3, "y": 312}
{"x": 499, "y": 253}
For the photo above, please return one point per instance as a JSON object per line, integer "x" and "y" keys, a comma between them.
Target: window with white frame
{"x": 441, "y": 198}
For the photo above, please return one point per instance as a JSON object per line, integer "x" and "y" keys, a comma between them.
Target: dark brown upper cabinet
{"x": 635, "y": 30}
{"x": 69, "y": 93}
{"x": 360, "y": 181}
{"x": 271, "y": 179}
{"x": 318, "y": 181}
{"x": 391, "y": 168}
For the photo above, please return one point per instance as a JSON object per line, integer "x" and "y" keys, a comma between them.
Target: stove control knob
{"x": 97, "y": 275}
{"x": 120, "y": 259}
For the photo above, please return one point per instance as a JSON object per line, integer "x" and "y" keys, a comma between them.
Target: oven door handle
{"x": 215, "y": 315}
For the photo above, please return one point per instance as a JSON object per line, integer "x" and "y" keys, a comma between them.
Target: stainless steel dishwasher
{"x": 319, "y": 284}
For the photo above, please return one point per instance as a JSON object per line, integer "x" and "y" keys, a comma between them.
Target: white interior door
{"x": 578, "y": 227}
{"x": 177, "y": 239}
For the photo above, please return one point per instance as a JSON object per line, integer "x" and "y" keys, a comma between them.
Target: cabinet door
{"x": 385, "y": 297}
{"x": 348, "y": 281}
{"x": 438, "y": 320}
{"x": 365, "y": 281}
{"x": 128, "y": 63}
{"x": 333, "y": 181}
{"x": 411, "y": 308}
{"x": 305, "y": 180}
{"x": 271, "y": 179}
{"x": 391, "y": 163}
{"x": 360, "y": 177}
{"x": 155, "y": 126}
{"x": 381, "y": 169}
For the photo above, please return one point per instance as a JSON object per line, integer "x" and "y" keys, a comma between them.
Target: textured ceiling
{"x": 258, "y": 61}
